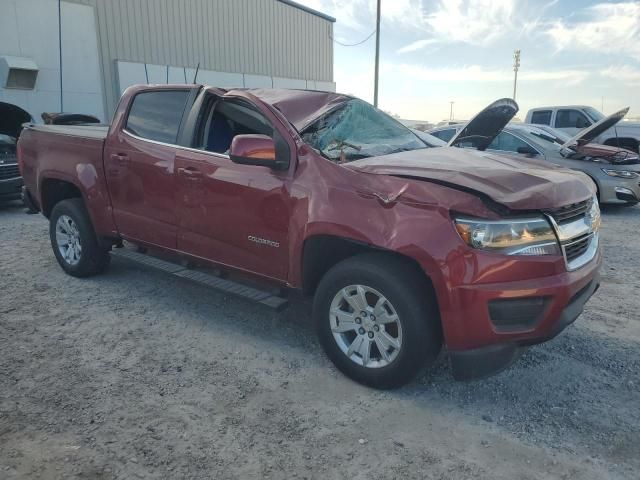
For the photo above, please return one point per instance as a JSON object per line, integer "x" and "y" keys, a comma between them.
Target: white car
{"x": 573, "y": 118}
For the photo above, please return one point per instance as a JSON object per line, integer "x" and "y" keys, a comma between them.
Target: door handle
{"x": 121, "y": 159}
{"x": 190, "y": 173}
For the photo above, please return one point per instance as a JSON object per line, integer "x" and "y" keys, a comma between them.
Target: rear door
{"x": 140, "y": 164}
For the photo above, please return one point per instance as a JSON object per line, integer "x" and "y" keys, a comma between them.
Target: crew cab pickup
{"x": 573, "y": 118}
{"x": 406, "y": 249}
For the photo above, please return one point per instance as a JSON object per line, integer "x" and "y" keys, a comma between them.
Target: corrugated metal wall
{"x": 264, "y": 37}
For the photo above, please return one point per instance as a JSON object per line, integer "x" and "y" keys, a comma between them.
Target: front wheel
{"x": 377, "y": 320}
{"x": 74, "y": 241}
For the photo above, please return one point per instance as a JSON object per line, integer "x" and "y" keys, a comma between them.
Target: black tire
{"x": 407, "y": 289}
{"x": 94, "y": 259}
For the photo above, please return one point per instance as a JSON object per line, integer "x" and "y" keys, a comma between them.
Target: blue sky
{"x": 436, "y": 51}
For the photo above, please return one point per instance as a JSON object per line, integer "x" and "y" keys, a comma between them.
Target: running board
{"x": 222, "y": 284}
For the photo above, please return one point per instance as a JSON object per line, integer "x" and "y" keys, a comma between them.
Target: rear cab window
{"x": 541, "y": 117}
{"x": 157, "y": 115}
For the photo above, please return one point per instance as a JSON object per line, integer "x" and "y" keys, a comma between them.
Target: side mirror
{"x": 527, "y": 151}
{"x": 254, "y": 150}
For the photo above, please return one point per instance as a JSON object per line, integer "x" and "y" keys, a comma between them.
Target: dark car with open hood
{"x": 406, "y": 249}
{"x": 10, "y": 179}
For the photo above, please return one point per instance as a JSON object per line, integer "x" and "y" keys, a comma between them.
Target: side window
{"x": 507, "y": 143}
{"x": 541, "y": 117}
{"x": 445, "y": 135}
{"x": 571, "y": 119}
{"x": 157, "y": 115}
{"x": 228, "y": 118}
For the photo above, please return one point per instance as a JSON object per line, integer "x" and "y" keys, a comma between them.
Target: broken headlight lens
{"x": 524, "y": 236}
{"x": 620, "y": 173}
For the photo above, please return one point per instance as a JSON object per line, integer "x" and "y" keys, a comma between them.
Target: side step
{"x": 227, "y": 286}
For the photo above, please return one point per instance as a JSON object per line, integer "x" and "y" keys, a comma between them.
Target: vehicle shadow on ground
{"x": 12, "y": 206}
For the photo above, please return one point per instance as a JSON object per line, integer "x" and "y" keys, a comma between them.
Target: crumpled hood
{"x": 517, "y": 184}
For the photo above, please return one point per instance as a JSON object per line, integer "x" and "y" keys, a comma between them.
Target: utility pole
{"x": 375, "y": 84}
{"x": 451, "y": 111}
{"x": 516, "y": 66}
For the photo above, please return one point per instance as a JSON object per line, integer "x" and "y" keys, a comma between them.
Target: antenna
{"x": 195, "y": 77}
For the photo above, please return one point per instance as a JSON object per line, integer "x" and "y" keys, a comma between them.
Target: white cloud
{"x": 472, "y": 21}
{"x": 418, "y": 45}
{"x": 610, "y": 28}
{"x": 478, "y": 22}
{"x": 477, "y": 73}
{"x": 624, "y": 73}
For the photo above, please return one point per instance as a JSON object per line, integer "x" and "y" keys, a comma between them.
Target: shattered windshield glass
{"x": 358, "y": 130}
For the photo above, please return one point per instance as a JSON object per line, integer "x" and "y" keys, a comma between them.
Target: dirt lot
{"x": 138, "y": 375}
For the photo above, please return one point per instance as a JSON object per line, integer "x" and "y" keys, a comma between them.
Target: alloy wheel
{"x": 68, "y": 240}
{"x": 366, "y": 326}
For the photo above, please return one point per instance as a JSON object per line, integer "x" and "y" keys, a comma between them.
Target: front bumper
{"x": 11, "y": 189}
{"x": 484, "y": 361}
{"x": 490, "y": 323}
{"x": 617, "y": 190}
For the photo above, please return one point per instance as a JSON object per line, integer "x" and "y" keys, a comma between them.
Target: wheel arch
{"x": 321, "y": 252}
{"x": 54, "y": 189}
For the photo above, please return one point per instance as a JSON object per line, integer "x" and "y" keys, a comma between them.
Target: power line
{"x": 352, "y": 44}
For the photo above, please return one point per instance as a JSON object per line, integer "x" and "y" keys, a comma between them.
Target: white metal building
{"x": 79, "y": 55}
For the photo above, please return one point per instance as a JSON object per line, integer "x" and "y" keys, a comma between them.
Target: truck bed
{"x": 93, "y": 131}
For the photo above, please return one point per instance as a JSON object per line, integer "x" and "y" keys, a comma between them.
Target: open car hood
{"x": 486, "y": 125}
{"x": 586, "y": 135}
{"x": 514, "y": 183}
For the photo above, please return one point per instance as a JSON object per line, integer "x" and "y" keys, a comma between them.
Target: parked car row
{"x": 615, "y": 170}
{"x": 573, "y": 118}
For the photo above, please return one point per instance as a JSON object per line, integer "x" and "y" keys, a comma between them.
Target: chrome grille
{"x": 571, "y": 212}
{"x": 9, "y": 171}
{"x": 576, "y": 247}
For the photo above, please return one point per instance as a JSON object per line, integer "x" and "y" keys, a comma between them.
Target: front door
{"x": 140, "y": 166}
{"x": 235, "y": 215}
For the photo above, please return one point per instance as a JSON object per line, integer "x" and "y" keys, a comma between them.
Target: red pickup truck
{"x": 406, "y": 249}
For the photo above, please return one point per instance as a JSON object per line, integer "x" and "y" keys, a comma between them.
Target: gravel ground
{"x": 135, "y": 374}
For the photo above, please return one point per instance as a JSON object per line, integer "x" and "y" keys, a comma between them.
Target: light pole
{"x": 451, "y": 111}
{"x": 516, "y": 66}
{"x": 375, "y": 82}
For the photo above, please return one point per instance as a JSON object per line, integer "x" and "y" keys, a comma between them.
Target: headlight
{"x": 525, "y": 236}
{"x": 620, "y": 173}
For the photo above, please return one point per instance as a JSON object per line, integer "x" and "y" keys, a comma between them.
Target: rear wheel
{"x": 74, "y": 241}
{"x": 377, "y": 320}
